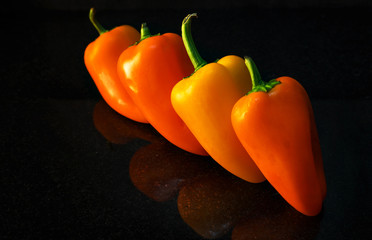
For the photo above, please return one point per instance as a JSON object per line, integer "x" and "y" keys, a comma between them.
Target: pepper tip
{"x": 187, "y": 18}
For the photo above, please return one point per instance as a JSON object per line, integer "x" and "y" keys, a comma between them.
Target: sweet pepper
{"x": 204, "y": 101}
{"x": 148, "y": 70}
{"x": 101, "y": 58}
{"x": 275, "y": 123}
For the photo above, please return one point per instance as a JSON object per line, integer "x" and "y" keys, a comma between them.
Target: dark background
{"x": 66, "y": 158}
{"x": 182, "y": 4}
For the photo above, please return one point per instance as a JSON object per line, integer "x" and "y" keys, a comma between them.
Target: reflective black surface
{"x": 71, "y": 168}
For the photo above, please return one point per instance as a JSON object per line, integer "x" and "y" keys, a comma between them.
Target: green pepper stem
{"x": 257, "y": 84}
{"x": 145, "y": 31}
{"x": 101, "y": 30}
{"x": 196, "y": 59}
{"x": 253, "y": 71}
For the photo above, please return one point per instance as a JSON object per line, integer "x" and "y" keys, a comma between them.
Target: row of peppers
{"x": 257, "y": 130}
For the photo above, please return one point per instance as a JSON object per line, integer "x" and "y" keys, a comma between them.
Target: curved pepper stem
{"x": 196, "y": 59}
{"x": 257, "y": 84}
{"x": 101, "y": 30}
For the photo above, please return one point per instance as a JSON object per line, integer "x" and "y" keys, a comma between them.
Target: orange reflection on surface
{"x": 119, "y": 129}
{"x": 210, "y": 200}
{"x": 216, "y": 201}
{"x": 276, "y": 219}
{"x": 159, "y": 170}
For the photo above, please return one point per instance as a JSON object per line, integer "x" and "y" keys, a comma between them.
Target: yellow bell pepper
{"x": 204, "y": 101}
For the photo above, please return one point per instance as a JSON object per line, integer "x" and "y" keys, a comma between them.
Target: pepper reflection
{"x": 210, "y": 200}
{"x": 275, "y": 219}
{"x": 118, "y": 129}
{"x": 159, "y": 170}
{"x": 214, "y": 203}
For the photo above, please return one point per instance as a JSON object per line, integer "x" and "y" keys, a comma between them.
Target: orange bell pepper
{"x": 275, "y": 124}
{"x": 204, "y": 101}
{"x": 149, "y": 70}
{"x": 101, "y": 58}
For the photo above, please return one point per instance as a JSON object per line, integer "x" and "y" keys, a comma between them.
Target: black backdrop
{"x": 63, "y": 177}
{"x": 323, "y": 44}
{"x": 210, "y": 4}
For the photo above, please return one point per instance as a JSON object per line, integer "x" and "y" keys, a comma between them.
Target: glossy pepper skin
{"x": 204, "y": 101}
{"x": 101, "y": 58}
{"x": 149, "y": 70}
{"x": 275, "y": 123}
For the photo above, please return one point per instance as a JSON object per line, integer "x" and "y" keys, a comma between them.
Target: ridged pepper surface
{"x": 149, "y": 70}
{"x": 101, "y": 58}
{"x": 205, "y": 100}
{"x": 275, "y": 123}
